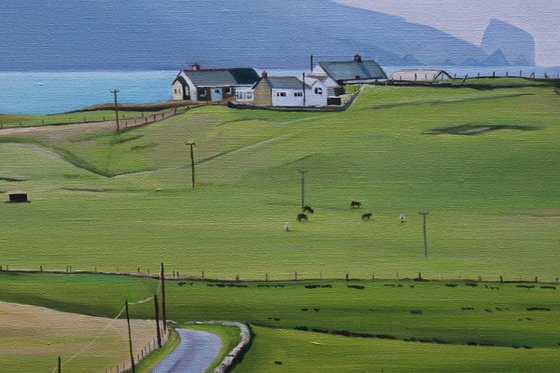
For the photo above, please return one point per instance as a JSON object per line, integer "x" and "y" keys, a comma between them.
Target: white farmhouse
{"x": 289, "y": 91}
{"x": 337, "y": 74}
{"x": 211, "y": 84}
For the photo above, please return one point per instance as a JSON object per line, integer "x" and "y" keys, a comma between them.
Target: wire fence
{"x": 144, "y": 351}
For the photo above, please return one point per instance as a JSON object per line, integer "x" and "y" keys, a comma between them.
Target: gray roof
{"x": 222, "y": 77}
{"x": 351, "y": 70}
{"x": 284, "y": 82}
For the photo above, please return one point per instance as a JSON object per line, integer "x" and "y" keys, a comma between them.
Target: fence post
{"x": 347, "y": 276}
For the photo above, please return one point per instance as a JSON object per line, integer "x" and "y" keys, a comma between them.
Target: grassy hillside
{"x": 293, "y": 351}
{"x": 491, "y": 192}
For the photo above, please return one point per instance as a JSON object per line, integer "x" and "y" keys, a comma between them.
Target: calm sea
{"x": 56, "y": 92}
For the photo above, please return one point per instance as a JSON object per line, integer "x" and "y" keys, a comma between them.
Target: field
{"x": 491, "y": 196}
{"x": 500, "y": 321}
{"x": 484, "y": 163}
{"x": 33, "y": 337}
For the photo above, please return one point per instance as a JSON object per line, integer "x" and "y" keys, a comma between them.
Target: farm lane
{"x": 194, "y": 354}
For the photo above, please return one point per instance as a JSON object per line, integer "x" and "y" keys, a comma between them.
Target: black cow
{"x": 308, "y": 209}
{"x": 302, "y": 217}
{"x": 355, "y": 204}
{"x": 367, "y": 216}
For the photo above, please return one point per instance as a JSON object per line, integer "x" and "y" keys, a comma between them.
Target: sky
{"x": 468, "y": 19}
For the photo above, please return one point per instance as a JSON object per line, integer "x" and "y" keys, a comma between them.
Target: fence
{"x": 124, "y": 121}
{"x": 295, "y": 277}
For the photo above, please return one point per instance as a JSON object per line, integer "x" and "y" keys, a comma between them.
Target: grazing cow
{"x": 308, "y": 209}
{"x": 355, "y": 204}
{"x": 302, "y": 217}
{"x": 367, "y": 216}
{"x": 402, "y": 218}
{"x": 287, "y": 227}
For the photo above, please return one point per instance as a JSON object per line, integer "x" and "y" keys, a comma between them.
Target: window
{"x": 249, "y": 96}
{"x": 318, "y": 91}
{"x": 228, "y": 90}
{"x": 202, "y": 92}
{"x": 239, "y": 95}
{"x": 298, "y": 94}
{"x": 281, "y": 94}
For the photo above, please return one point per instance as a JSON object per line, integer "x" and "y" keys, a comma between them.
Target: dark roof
{"x": 244, "y": 76}
{"x": 284, "y": 82}
{"x": 180, "y": 79}
{"x": 222, "y": 77}
{"x": 352, "y": 70}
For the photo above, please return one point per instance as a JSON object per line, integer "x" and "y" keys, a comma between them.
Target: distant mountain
{"x": 496, "y": 59}
{"x": 516, "y": 45}
{"x": 172, "y": 34}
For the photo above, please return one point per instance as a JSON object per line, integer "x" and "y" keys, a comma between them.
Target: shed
{"x": 18, "y": 198}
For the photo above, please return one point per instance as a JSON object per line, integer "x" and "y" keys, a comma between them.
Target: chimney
{"x": 196, "y": 67}
{"x": 357, "y": 58}
{"x": 264, "y": 74}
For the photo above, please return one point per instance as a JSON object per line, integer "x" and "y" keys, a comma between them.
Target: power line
{"x": 115, "y": 92}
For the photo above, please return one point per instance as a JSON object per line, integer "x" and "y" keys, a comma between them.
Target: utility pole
{"x": 115, "y": 92}
{"x": 162, "y": 277}
{"x": 311, "y": 63}
{"x": 192, "y": 144}
{"x": 424, "y": 215}
{"x": 157, "y": 321}
{"x": 303, "y": 172}
{"x": 129, "y": 338}
{"x": 303, "y": 86}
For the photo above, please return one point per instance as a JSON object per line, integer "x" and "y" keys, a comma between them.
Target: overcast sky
{"x": 468, "y": 19}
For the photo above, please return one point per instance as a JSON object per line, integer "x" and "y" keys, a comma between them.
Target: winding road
{"x": 194, "y": 354}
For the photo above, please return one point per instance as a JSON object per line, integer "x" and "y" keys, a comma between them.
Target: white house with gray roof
{"x": 211, "y": 84}
{"x": 289, "y": 91}
{"x": 337, "y": 74}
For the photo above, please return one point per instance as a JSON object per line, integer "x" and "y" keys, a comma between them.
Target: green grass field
{"x": 11, "y": 121}
{"x": 492, "y": 196}
{"x": 483, "y": 163}
{"x": 313, "y": 352}
{"x": 500, "y": 316}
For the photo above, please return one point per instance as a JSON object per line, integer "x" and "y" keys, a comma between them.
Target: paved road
{"x": 196, "y": 351}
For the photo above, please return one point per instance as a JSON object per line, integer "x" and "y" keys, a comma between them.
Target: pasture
{"x": 490, "y": 322}
{"x": 33, "y": 337}
{"x": 107, "y": 202}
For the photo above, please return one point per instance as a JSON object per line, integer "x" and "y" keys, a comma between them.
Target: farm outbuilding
{"x": 419, "y": 76}
{"x": 18, "y": 198}
{"x": 211, "y": 84}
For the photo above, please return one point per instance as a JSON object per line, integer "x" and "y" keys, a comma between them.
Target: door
{"x": 217, "y": 94}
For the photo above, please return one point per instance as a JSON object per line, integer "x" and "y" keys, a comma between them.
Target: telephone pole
{"x": 162, "y": 277}
{"x": 303, "y": 172}
{"x": 192, "y": 144}
{"x": 311, "y": 63}
{"x": 130, "y": 338}
{"x": 424, "y": 215}
{"x": 157, "y": 321}
{"x": 303, "y": 86}
{"x": 115, "y": 92}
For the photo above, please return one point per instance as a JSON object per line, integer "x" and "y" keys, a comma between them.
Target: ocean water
{"x": 57, "y": 92}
